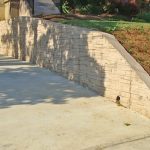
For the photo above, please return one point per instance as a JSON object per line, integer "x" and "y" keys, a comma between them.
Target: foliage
{"x": 104, "y": 6}
{"x": 91, "y": 9}
{"x": 88, "y": 6}
{"x": 144, "y": 17}
{"x": 127, "y": 9}
{"x": 65, "y": 8}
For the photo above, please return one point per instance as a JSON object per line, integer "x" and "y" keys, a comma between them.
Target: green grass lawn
{"x": 107, "y": 25}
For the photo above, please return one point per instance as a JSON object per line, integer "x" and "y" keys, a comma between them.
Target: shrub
{"x": 65, "y": 8}
{"x": 144, "y": 16}
{"x": 95, "y": 10}
{"x": 128, "y": 9}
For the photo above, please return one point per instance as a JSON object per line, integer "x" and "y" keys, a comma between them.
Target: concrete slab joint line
{"x": 121, "y": 144}
{"x": 94, "y": 59}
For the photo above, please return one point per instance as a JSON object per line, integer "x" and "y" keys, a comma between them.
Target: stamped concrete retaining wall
{"x": 94, "y": 59}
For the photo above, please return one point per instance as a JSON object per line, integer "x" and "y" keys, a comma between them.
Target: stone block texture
{"x": 24, "y": 8}
{"x": 92, "y": 58}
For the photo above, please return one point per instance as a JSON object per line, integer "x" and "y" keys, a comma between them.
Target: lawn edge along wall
{"x": 91, "y": 58}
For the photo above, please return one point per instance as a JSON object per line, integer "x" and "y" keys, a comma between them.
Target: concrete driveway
{"x": 40, "y": 110}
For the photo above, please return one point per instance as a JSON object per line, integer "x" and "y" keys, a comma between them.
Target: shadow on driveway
{"x": 22, "y": 83}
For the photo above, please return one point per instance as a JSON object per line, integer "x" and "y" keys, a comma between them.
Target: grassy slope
{"x": 134, "y": 36}
{"x": 106, "y": 25}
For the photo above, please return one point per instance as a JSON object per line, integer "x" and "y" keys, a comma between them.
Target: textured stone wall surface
{"x": 2, "y": 12}
{"x": 24, "y": 8}
{"x": 93, "y": 59}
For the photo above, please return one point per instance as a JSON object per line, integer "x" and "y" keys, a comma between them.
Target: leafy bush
{"x": 144, "y": 16}
{"x": 65, "y": 8}
{"x": 128, "y": 9}
{"x": 95, "y": 10}
{"x": 102, "y": 6}
{"x": 89, "y": 9}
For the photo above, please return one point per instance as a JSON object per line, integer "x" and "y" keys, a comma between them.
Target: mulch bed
{"x": 137, "y": 43}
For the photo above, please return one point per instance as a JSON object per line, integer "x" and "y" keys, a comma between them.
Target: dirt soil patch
{"x": 137, "y": 43}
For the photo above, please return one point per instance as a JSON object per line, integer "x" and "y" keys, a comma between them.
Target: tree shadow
{"x": 67, "y": 50}
{"x": 32, "y": 85}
